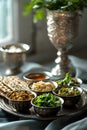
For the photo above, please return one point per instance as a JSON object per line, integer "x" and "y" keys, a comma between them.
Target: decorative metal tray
{"x": 80, "y": 107}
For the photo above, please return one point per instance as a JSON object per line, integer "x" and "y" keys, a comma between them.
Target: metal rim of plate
{"x": 80, "y": 107}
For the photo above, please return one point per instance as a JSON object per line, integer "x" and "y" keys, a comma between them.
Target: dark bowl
{"x": 69, "y": 100}
{"x": 43, "y": 86}
{"x": 20, "y": 100}
{"x": 47, "y": 111}
{"x": 36, "y": 76}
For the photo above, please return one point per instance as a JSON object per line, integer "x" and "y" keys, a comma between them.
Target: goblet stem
{"x": 63, "y": 64}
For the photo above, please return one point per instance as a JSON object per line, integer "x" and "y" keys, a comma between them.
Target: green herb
{"x": 67, "y": 81}
{"x": 47, "y": 100}
{"x": 66, "y": 91}
{"x": 38, "y": 6}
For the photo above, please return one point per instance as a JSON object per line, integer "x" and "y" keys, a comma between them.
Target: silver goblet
{"x": 62, "y": 30}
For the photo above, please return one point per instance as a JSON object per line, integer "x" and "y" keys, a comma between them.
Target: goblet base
{"x": 60, "y": 72}
{"x": 13, "y": 71}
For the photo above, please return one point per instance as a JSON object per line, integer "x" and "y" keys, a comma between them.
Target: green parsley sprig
{"x": 38, "y": 6}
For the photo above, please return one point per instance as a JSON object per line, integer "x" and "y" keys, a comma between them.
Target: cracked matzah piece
{"x": 12, "y": 83}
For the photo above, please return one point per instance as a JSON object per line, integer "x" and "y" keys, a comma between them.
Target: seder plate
{"x": 79, "y": 108}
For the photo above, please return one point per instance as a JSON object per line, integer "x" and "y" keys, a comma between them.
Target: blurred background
{"x": 17, "y": 28}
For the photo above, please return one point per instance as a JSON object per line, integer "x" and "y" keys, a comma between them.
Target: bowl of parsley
{"x": 47, "y": 104}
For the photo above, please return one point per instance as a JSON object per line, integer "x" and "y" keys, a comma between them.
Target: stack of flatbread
{"x": 12, "y": 83}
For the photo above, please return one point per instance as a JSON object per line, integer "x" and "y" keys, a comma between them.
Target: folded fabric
{"x": 62, "y": 122}
{"x": 20, "y": 125}
{"x": 59, "y": 125}
{"x": 79, "y": 125}
{"x": 80, "y": 67}
{"x": 24, "y": 125}
{"x": 28, "y": 66}
{"x": 31, "y": 67}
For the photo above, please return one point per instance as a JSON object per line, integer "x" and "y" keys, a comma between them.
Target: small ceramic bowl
{"x": 20, "y": 100}
{"x": 41, "y": 87}
{"x": 36, "y": 76}
{"x": 71, "y": 95}
{"x": 46, "y": 110}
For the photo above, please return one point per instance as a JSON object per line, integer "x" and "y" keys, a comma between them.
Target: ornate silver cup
{"x": 14, "y": 56}
{"x": 62, "y": 30}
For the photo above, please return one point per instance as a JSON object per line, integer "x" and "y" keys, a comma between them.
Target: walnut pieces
{"x": 21, "y": 95}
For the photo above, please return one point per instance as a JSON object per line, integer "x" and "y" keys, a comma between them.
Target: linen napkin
{"x": 24, "y": 125}
{"x": 78, "y": 125}
{"x": 67, "y": 122}
{"x": 80, "y": 67}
